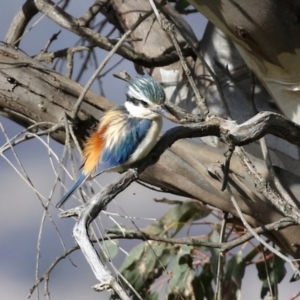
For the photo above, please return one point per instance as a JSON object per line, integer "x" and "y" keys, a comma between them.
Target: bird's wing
{"x": 101, "y": 139}
{"x": 121, "y": 140}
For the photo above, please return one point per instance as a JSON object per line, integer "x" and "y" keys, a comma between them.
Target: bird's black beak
{"x": 164, "y": 112}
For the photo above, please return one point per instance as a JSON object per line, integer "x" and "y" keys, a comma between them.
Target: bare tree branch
{"x": 72, "y": 24}
{"x": 90, "y": 14}
{"x": 104, "y": 62}
{"x": 15, "y": 65}
{"x": 261, "y": 124}
{"x": 169, "y": 28}
{"x": 224, "y": 246}
{"x": 258, "y": 193}
{"x": 19, "y": 23}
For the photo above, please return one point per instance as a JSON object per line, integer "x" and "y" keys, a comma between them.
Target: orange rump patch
{"x": 92, "y": 150}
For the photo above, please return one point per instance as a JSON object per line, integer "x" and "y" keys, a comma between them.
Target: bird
{"x": 126, "y": 133}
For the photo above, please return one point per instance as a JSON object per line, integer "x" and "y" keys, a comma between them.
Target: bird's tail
{"x": 82, "y": 178}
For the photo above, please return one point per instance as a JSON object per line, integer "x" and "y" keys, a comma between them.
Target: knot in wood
{"x": 167, "y": 26}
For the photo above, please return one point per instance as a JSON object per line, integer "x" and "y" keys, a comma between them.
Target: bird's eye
{"x": 144, "y": 103}
{"x": 137, "y": 102}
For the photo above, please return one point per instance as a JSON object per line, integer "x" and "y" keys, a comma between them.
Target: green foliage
{"x": 149, "y": 260}
{"x": 181, "y": 5}
{"x": 177, "y": 217}
{"x": 145, "y": 263}
{"x": 182, "y": 272}
{"x": 187, "y": 272}
{"x": 234, "y": 273}
{"x": 276, "y": 270}
{"x": 109, "y": 249}
{"x": 202, "y": 284}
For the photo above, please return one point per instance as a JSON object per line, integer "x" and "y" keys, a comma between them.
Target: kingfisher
{"x": 126, "y": 133}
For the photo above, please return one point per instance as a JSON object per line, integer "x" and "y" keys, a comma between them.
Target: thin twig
{"x": 26, "y": 134}
{"x": 206, "y": 65}
{"x": 280, "y": 188}
{"x": 104, "y": 62}
{"x": 49, "y": 270}
{"x": 250, "y": 229}
{"x": 182, "y": 115}
{"x": 67, "y": 21}
{"x": 266, "y": 153}
{"x": 225, "y": 246}
{"x": 91, "y": 13}
{"x": 48, "y": 57}
{"x": 70, "y": 56}
{"x": 53, "y": 38}
{"x": 267, "y": 271}
{"x": 228, "y": 156}
{"x": 218, "y": 294}
{"x": 294, "y": 297}
{"x": 169, "y": 29}
{"x": 283, "y": 223}
{"x": 263, "y": 188}
{"x": 262, "y": 141}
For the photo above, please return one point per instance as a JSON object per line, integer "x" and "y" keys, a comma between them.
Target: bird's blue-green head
{"x": 145, "y": 98}
{"x": 145, "y": 88}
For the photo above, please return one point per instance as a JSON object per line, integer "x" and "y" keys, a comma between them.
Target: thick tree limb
{"x": 215, "y": 126}
{"x": 40, "y": 97}
{"x": 184, "y": 169}
{"x": 255, "y": 28}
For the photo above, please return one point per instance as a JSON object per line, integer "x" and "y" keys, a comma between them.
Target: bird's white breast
{"x": 148, "y": 142}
